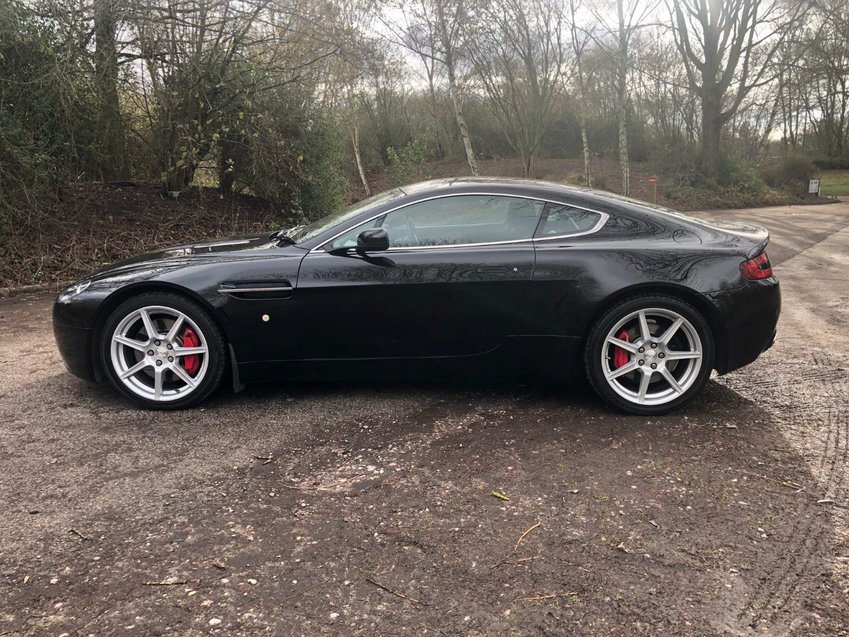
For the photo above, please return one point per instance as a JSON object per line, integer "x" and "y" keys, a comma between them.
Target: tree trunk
{"x": 578, "y": 48}
{"x": 529, "y": 162}
{"x": 110, "y": 126}
{"x": 622, "y": 87}
{"x": 624, "y": 164}
{"x": 355, "y": 140}
{"x": 448, "y": 52}
{"x": 464, "y": 130}
{"x": 585, "y": 145}
{"x": 711, "y": 134}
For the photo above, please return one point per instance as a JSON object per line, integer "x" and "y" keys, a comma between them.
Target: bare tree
{"x": 435, "y": 30}
{"x": 345, "y": 74}
{"x": 451, "y": 19}
{"x": 662, "y": 98}
{"x": 110, "y": 123}
{"x": 726, "y": 46}
{"x": 631, "y": 16}
{"x": 205, "y": 60}
{"x": 520, "y": 55}
{"x": 580, "y": 40}
{"x": 826, "y": 68}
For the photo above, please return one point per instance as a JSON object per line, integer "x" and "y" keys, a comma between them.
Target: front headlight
{"x": 72, "y": 291}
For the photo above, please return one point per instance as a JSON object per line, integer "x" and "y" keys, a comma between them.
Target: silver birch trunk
{"x": 448, "y": 50}
{"x": 578, "y": 48}
{"x": 622, "y": 72}
{"x": 586, "y": 150}
{"x": 464, "y": 130}
{"x": 355, "y": 139}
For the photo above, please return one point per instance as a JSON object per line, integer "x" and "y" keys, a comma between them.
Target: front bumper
{"x": 750, "y": 317}
{"x": 75, "y": 347}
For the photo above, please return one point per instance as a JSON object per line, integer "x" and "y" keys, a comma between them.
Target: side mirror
{"x": 373, "y": 240}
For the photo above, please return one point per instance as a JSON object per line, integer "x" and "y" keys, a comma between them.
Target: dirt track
{"x": 366, "y": 509}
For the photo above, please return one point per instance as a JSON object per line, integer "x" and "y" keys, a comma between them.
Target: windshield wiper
{"x": 283, "y": 239}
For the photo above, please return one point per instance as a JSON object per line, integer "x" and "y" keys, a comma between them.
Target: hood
{"x": 205, "y": 248}
{"x": 159, "y": 262}
{"x": 185, "y": 254}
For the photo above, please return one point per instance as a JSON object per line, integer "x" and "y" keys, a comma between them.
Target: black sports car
{"x": 468, "y": 277}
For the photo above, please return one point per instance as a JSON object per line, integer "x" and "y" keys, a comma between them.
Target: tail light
{"x": 757, "y": 268}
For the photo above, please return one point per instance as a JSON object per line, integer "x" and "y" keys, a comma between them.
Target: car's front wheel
{"x": 649, "y": 354}
{"x": 163, "y": 351}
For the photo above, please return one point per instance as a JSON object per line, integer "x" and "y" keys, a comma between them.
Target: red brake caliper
{"x": 620, "y": 356}
{"x": 191, "y": 362}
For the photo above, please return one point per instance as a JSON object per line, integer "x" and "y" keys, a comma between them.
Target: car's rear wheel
{"x": 649, "y": 354}
{"x": 163, "y": 351}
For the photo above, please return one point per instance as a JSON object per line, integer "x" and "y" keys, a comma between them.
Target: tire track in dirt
{"x": 806, "y": 390}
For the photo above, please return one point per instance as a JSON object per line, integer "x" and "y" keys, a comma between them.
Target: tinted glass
{"x": 349, "y": 239}
{"x": 317, "y": 227}
{"x": 565, "y": 220}
{"x": 462, "y": 220}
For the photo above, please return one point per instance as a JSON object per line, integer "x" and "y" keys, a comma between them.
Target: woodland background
{"x": 129, "y": 124}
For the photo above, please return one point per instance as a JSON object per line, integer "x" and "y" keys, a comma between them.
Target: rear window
{"x": 565, "y": 220}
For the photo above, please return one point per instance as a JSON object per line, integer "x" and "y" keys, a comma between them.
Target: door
{"x": 450, "y": 284}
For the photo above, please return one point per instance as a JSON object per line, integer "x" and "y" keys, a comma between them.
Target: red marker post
{"x": 653, "y": 184}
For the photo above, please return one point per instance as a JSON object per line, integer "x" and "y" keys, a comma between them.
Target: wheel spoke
{"x": 175, "y": 328}
{"x": 650, "y": 331}
{"x": 677, "y": 356}
{"x": 157, "y": 383}
{"x": 670, "y": 332}
{"x": 160, "y": 376}
{"x": 644, "y": 385}
{"x": 184, "y": 375}
{"x": 621, "y": 371}
{"x": 130, "y": 342}
{"x": 148, "y": 324}
{"x": 135, "y": 369}
{"x": 645, "y": 332}
{"x": 188, "y": 351}
{"x": 671, "y": 380}
{"x": 616, "y": 342}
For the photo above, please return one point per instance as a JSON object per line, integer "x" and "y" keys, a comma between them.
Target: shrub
{"x": 824, "y": 162}
{"x": 791, "y": 173}
{"x": 289, "y": 153}
{"x": 408, "y": 164}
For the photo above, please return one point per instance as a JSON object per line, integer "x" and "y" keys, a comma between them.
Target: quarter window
{"x": 565, "y": 220}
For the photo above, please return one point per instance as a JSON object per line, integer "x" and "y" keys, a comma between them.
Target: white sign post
{"x": 814, "y": 187}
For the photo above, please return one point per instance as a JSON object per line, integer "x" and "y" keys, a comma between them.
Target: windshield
{"x": 300, "y": 234}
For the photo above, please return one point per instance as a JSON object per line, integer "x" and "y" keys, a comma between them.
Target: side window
{"x": 463, "y": 219}
{"x": 565, "y": 220}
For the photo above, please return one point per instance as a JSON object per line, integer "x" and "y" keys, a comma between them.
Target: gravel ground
{"x": 367, "y": 508}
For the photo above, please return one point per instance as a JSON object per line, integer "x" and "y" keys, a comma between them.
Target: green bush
{"x": 791, "y": 173}
{"x": 824, "y": 162}
{"x": 408, "y": 164}
{"x": 289, "y": 153}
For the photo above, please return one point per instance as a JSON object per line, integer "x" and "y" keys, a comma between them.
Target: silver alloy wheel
{"x": 149, "y": 356}
{"x": 664, "y": 356}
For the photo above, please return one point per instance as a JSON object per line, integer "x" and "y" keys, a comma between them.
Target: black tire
{"x": 597, "y": 348}
{"x": 213, "y": 363}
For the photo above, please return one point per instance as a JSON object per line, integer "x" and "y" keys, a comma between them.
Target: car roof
{"x": 602, "y": 201}
{"x": 595, "y": 200}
